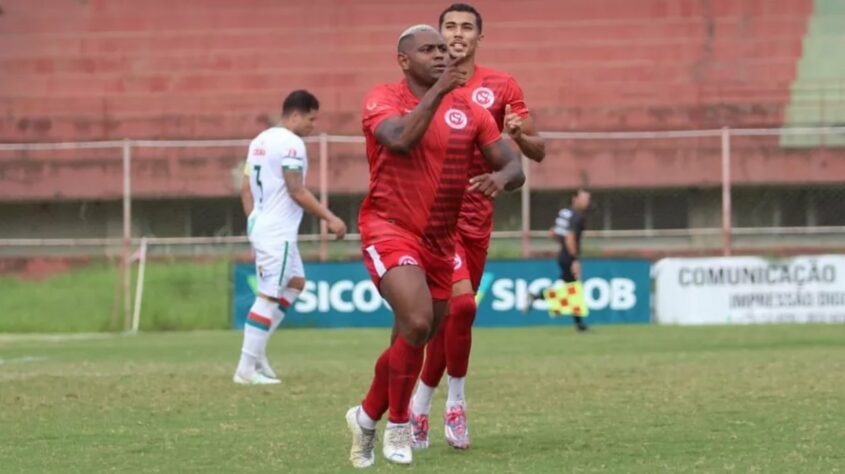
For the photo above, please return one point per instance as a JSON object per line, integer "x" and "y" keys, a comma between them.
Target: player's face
{"x": 461, "y": 33}
{"x": 582, "y": 201}
{"x": 304, "y": 123}
{"x": 425, "y": 59}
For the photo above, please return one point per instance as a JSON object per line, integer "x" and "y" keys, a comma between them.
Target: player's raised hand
{"x": 513, "y": 122}
{"x": 455, "y": 74}
{"x": 490, "y": 184}
{"x": 337, "y": 227}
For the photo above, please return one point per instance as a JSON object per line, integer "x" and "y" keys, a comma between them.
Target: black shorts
{"x": 565, "y": 261}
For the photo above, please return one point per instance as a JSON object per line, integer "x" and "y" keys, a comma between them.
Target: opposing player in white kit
{"x": 274, "y": 196}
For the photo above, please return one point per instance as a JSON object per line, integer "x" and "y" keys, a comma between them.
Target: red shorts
{"x": 381, "y": 256}
{"x": 470, "y": 257}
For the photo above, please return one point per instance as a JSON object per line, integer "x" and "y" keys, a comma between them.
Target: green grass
{"x": 543, "y": 400}
{"x": 178, "y": 295}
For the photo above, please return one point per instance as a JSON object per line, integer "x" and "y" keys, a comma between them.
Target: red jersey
{"x": 421, "y": 193}
{"x": 493, "y": 90}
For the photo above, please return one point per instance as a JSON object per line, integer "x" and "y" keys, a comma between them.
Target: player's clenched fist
{"x": 337, "y": 227}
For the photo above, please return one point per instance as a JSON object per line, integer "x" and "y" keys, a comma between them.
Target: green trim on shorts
{"x": 284, "y": 264}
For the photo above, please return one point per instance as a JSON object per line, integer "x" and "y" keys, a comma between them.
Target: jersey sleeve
{"x": 293, "y": 155}
{"x": 379, "y": 105}
{"x": 564, "y": 223}
{"x": 486, "y": 132}
{"x": 516, "y": 98}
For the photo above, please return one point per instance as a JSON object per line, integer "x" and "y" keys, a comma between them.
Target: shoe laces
{"x": 456, "y": 419}
{"x": 400, "y": 437}
{"x": 420, "y": 426}
{"x": 368, "y": 440}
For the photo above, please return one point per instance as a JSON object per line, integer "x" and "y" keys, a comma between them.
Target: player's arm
{"x": 508, "y": 173}
{"x": 306, "y": 199}
{"x": 400, "y": 133}
{"x": 563, "y": 232}
{"x": 571, "y": 244}
{"x": 520, "y": 125}
{"x": 246, "y": 196}
{"x": 507, "y": 165}
{"x": 524, "y": 134}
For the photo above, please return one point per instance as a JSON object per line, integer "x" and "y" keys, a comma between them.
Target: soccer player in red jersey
{"x": 421, "y": 138}
{"x": 449, "y": 349}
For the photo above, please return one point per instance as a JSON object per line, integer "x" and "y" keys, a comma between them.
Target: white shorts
{"x": 275, "y": 264}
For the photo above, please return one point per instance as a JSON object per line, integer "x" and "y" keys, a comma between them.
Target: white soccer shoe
{"x": 262, "y": 366}
{"x": 363, "y": 441}
{"x": 255, "y": 379}
{"x": 397, "y": 443}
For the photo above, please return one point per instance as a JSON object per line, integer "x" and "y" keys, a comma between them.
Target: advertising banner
{"x": 342, "y": 294}
{"x": 748, "y": 290}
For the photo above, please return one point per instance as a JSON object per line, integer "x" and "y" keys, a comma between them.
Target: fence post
{"x": 526, "y": 209}
{"x": 726, "y": 192}
{"x": 324, "y": 194}
{"x": 127, "y": 232}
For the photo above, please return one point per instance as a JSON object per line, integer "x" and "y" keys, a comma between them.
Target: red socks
{"x": 459, "y": 334}
{"x": 375, "y": 403}
{"x": 396, "y": 372}
{"x": 435, "y": 357}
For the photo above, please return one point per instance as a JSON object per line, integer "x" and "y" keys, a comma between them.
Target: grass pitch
{"x": 621, "y": 399}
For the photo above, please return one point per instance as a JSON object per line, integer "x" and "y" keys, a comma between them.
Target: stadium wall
{"x": 217, "y": 69}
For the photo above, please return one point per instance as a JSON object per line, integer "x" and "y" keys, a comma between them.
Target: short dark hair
{"x": 578, "y": 192}
{"x": 461, "y": 7}
{"x": 300, "y": 101}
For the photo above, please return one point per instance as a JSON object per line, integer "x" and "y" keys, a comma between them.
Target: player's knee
{"x": 418, "y": 327}
{"x": 297, "y": 283}
{"x": 463, "y": 308}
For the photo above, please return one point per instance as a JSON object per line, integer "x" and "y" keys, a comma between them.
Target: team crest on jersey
{"x": 484, "y": 97}
{"x": 291, "y": 153}
{"x": 456, "y": 119}
{"x": 458, "y": 262}
{"x": 407, "y": 260}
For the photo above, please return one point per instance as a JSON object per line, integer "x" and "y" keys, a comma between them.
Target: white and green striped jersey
{"x": 275, "y": 216}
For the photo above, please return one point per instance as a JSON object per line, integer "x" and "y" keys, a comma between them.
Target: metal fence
{"x": 662, "y": 192}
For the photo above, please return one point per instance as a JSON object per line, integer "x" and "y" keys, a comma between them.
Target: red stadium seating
{"x": 198, "y": 69}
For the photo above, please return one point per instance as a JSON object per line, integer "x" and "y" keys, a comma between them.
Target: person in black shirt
{"x": 568, "y": 227}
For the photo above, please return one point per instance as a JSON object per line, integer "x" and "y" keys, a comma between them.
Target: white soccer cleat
{"x": 255, "y": 379}
{"x": 262, "y": 366}
{"x": 397, "y": 443}
{"x": 363, "y": 441}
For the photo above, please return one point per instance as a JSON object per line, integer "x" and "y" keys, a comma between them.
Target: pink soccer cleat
{"x": 419, "y": 431}
{"x": 456, "y": 428}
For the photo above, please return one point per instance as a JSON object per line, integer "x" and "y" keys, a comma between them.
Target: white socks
{"x": 421, "y": 403}
{"x": 364, "y": 420}
{"x": 456, "y": 390}
{"x": 263, "y": 319}
{"x": 256, "y": 333}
